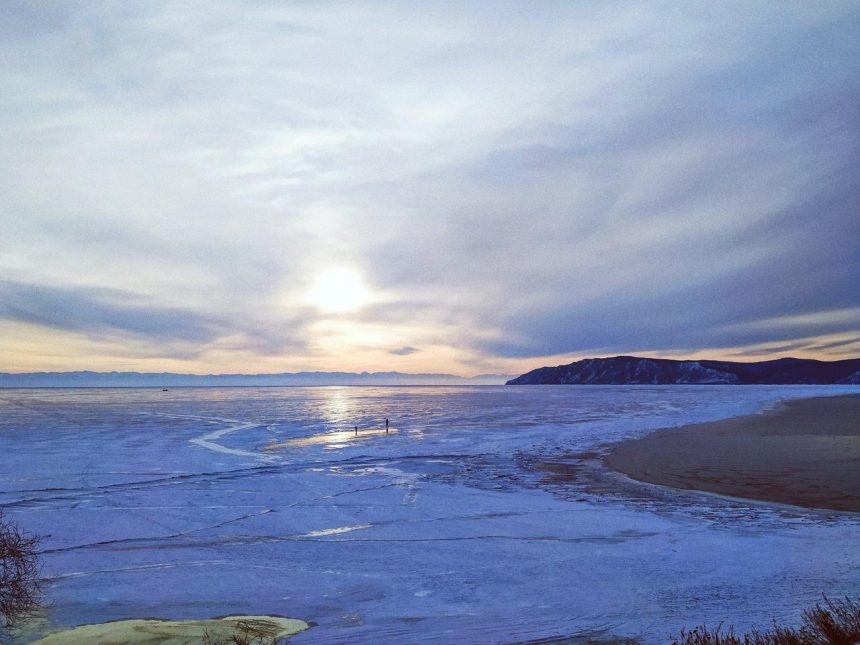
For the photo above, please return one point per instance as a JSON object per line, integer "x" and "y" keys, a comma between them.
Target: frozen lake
{"x": 210, "y": 501}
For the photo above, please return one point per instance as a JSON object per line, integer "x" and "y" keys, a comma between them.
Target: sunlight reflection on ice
{"x": 337, "y": 406}
{"x": 331, "y": 439}
{"x": 336, "y": 531}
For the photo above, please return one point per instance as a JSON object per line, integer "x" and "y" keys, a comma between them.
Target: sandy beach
{"x": 803, "y": 452}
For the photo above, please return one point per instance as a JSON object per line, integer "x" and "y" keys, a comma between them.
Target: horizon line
{"x": 399, "y": 373}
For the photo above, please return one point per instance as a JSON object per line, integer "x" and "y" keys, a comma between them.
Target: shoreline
{"x": 801, "y": 452}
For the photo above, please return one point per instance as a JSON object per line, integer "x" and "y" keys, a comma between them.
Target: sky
{"x": 463, "y": 187}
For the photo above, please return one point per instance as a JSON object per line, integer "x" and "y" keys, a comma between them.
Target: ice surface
{"x": 170, "y": 505}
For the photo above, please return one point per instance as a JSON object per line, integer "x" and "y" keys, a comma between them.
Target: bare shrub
{"x": 20, "y": 593}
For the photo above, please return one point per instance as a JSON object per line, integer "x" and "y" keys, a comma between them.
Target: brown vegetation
{"x": 250, "y": 636}
{"x": 831, "y": 623}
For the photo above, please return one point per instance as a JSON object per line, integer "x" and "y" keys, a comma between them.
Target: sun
{"x": 339, "y": 290}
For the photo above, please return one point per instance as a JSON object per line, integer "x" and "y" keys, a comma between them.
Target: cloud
{"x": 511, "y": 183}
{"x": 99, "y": 311}
{"x": 403, "y": 351}
{"x": 149, "y": 328}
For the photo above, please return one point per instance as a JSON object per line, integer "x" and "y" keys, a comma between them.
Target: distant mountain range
{"x": 630, "y": 370}
{"x": 169, "y": 379}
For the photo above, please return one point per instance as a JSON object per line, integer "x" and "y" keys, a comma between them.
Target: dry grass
{"x": 828, "y": 623}
{"x": 20, "y": 593}
{"x": 249, "y": 636}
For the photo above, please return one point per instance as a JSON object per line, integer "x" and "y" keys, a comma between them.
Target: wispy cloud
{"x": 100, "y": 311}
{"x": 403, "y": 351}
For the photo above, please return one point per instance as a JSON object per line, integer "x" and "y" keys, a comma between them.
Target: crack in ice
{"x": 172, "y": 536}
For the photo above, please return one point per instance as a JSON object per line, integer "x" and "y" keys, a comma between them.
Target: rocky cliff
{"x": 627, "y": 370}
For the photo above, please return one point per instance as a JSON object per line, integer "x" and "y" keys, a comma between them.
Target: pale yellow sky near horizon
{"x": 27, "y": 348}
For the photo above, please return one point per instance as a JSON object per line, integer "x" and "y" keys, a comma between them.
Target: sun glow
{"x": 339, "y": 290}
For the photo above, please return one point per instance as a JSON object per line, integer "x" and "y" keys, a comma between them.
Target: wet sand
{"x": 804, "y": 452}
